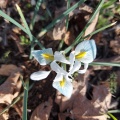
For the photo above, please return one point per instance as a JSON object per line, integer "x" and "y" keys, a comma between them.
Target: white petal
{"x": 66, "y": 90}
{"x": 71, "y": 59}
{"x": 90, "y": 47}
{"x": 39, "y": 75}
{"x": 55, "y": 67}
{"x": 85, "y": 68}
{"x": 38, "y": 55}
{"x": 68, "y": 77}
{"x": 76, "y": 67}
{"x": 60, "y": 57}
{"x": 58, "y": 77}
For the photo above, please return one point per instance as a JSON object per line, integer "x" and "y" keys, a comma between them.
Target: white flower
{"x": 46, "y": 56}
{"x": 63, "y": 84}
{"x": 85, "y": 52}
{"x": 39, "y": 75}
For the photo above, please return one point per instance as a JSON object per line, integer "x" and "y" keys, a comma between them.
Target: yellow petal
{"x": 48, "y": 56}
{"x": 62, "y": 83}
{"x": 80, "y": 55}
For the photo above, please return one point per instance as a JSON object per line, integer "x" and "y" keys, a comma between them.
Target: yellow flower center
{"x": 48, "y": 56}
{"x": 80, "y": 55}
{"x": 62, "y": 83}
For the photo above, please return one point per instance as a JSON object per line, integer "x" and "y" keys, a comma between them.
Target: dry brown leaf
{"x": 115, "y": 45}
{"x": 5, "y": 115}
{"x": 42, "y": 112}
{"x": 77, "y": 21}
{"x": 83, "y": 109}
{"x": 3, "y": 3}
{"x": 62, "y": 116}
{"x": 6, "y": 70}
{"x": 91, "y": 27}
{"x": 10, "y": 88}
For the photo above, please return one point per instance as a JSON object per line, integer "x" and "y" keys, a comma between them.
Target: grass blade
{"x": 15, "y": 101}
{"x": 24, "y": 22}
{"x": 25, "y": 99}
{"x": 99, "y": 30}
{"x": 105, "y": 64}
{"x": 35, "y": 13}
{"x": 60, "y": 17}
{"x": 12, "y": 21}
{"x": 20, "y": 26}
{"x": 67, "y": 17}
{"x": 67, "y": 23}
{"x": 112, "y": 116}
{"x": 114, "y": 111}
{"x": 81, "y": 34}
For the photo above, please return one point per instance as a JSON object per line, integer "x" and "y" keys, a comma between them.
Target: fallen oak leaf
{"x": 10, "y": 88}
{"x": 3, "y": 3}
{"x": 5, "y": 115}
{"x": 6, "y": 70}
{"x": 77, "y": 21}
{"x": 91, "y": 27}
{"x": 42, "y": 112}
{"x": 80, "y": 108}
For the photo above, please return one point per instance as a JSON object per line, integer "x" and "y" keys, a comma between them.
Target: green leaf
{"x": 35, "y": 13}
{"x": 105, "y": 64}
{"x": 20, "y": 26}
{"x": 12, "y": 21}
{"x": 99, "y": 30}
{"x": 108, "y": 4}
{"x": 60, "y": 17}
{"x": 77, "y": 40}
{"x": 113, "y": 111}
{"x": 25, "y": 99}
{"x": 113, "y": 117}
{"x": 24, "y": 22}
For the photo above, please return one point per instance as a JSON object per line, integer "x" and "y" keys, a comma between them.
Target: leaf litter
{"x": 10, "y": 89}
{"x": 79, "y": 106}
{"x": 77, "y": 20}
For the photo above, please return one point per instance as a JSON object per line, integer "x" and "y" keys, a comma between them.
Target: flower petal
{"x": 71, "y": 59}
{"x": 60, "y": 57}
{"x": 58, "y": 77}
{"x": 85, "y": 68}
{"x": 55, "y": 67}
{"x": 89, "y": 47}
{"x": 38, "y": 56}
{"x": 66, "y": 90}
{"x": 39, "y": 75}
{"x": 76, "y": 67}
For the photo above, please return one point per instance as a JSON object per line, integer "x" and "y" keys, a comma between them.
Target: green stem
{"x": 86, "y": 26}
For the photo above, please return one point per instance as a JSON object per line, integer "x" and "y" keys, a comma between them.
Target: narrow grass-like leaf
{"x": 67, "y": 17}
{"x": 99, "y": 30}
{"x": 48, "y": 12}
{"x": 24, "y": 22}
{"x": 20, "y": 26}
{"x": 60, "y": 17}
{"x": 15, "y": 101}
{"x": 25, "y": 99}
{"x": 89, "y": 22}
{"x": 105, "y": 64}
{"x": 113, "y": 111}
{"x": 12, "y": 21}
{"x": 67, "y": 23}
{"x": 112, "y": 116}
{"x": 108, "y": 4}
{"x": 35, "y": 13}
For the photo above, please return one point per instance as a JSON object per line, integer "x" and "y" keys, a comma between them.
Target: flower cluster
{"x": 85, "y": 52}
